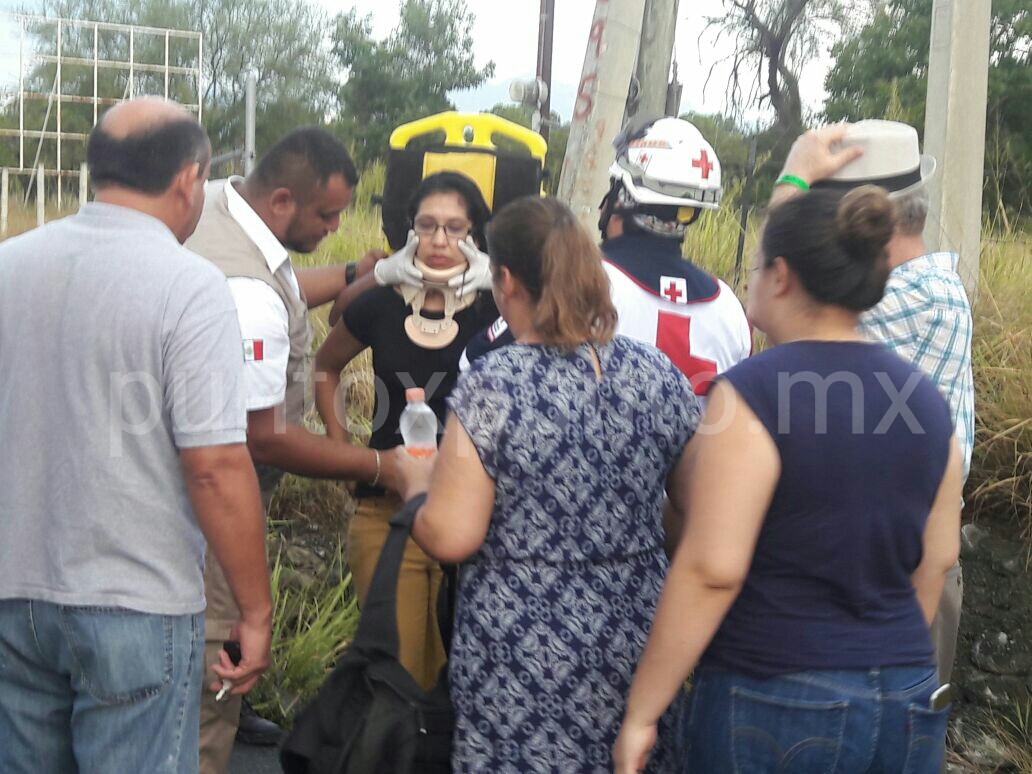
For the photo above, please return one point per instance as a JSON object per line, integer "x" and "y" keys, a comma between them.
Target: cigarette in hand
{"x": 232, "y": 648}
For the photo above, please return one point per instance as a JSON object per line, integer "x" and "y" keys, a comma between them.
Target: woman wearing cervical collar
{"x": 417, "y": 333}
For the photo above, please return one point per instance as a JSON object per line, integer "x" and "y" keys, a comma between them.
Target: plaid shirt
{"x": 925, "y": 318}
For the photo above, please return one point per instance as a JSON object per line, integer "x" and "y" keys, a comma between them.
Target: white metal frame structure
{"x": 56, "y": 98}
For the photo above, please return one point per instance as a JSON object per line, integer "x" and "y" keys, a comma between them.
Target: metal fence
{"x": 36, "y": 35}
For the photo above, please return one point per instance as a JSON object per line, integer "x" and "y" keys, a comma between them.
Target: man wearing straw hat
{"x": 924, "y": 315}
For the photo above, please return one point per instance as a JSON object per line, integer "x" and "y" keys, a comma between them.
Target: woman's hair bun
{"x": 865, "y": 222}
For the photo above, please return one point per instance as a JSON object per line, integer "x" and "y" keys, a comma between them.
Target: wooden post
{"x": 84, "y": 185}
{"x": 958, "y": 82}
{"x": 598, "y": 112}
{"x": 5, "y": 182}
{"x": 41, "y": 201}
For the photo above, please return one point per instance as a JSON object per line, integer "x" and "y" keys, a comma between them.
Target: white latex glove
{"x": 478, "y": 276}
{"x": 400, "y": 268}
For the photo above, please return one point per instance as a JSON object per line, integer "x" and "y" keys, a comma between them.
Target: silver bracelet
{"x": 376, "y": 478}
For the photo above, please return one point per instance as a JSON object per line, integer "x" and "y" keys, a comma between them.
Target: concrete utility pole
{"x": 655, "y": 53}
{"x": 958, "y": 82}
{"x": 250, "y": 110}
{"x": 598, "y": 113}
{"x": 544, "y": 64}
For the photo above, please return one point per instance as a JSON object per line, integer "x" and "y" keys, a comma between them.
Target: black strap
{"x": 378, "y": 625}
{"x": 890, "y": 183}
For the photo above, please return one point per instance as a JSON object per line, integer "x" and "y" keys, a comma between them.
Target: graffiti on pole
{"x": 609, "y": 61}
{"x": 586, "y": 89}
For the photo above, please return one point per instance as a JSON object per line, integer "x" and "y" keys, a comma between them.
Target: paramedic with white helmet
{"x": 665, "y": 174}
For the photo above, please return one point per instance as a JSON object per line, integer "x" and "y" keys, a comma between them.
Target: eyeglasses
{"x": 453, "y": 229}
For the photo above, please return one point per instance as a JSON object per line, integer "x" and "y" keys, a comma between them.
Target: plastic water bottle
{"x": 418, "y": 424}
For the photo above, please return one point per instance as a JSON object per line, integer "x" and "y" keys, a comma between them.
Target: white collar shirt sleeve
{"x": 264, "y": 324}
{"x": 264, "y": 328}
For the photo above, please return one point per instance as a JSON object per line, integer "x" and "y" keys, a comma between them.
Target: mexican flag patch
{"x": 254, "y": 350}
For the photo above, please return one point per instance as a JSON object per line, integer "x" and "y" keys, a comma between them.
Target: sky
{"x": 506, "y": 33}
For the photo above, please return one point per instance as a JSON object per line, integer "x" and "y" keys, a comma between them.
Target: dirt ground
{"x": 991, "y": 729}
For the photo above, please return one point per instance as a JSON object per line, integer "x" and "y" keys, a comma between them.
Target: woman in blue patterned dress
{"x": 549, "y": 489}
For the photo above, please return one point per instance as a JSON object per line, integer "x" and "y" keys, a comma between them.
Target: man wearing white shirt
{"x": 291, "y": 201}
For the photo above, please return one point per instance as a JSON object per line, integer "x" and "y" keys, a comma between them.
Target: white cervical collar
{"x": 427, "y": 332}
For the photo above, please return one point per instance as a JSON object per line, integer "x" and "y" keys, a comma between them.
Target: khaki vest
{"x": 221, "y": 240}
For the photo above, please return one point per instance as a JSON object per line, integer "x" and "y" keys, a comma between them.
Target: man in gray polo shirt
{"x": 123, "y": 419}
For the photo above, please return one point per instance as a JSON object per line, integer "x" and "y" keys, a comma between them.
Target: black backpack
{"x": 371, "y": 716}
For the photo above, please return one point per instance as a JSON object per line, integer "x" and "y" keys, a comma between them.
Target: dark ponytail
{"x": 835, "y": 244}
{"x": 553, "y": 256}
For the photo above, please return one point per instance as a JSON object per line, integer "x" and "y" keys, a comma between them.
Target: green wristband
{"x": 798, "y": 182}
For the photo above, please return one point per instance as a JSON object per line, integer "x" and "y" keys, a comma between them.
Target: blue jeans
{"x": 815, "y": 722}
{"x": 96, "y": 689}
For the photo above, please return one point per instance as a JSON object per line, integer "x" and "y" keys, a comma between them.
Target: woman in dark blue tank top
{"x": 823, "y": 514}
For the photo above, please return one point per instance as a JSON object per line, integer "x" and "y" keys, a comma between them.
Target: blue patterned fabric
{"x": 554, "y": 609}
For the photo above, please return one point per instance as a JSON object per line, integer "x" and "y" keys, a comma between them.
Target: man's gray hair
{"x": 912, "y": 211}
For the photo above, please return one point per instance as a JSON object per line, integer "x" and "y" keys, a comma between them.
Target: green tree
{"x": 406, "y": 76}
{"x": 884, "y": 69}
{"x": 284, "y": 43}
{"x": 883, "y": 72}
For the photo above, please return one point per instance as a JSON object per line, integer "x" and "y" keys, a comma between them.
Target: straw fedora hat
{"x": 892, "y": 159}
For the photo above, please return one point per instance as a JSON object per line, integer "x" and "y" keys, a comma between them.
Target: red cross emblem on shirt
{"x": 672, "y": 292}
{"x": 704, "y": 164}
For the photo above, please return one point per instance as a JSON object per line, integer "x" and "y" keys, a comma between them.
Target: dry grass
{"x": 359, "y": 231}
{"x": 994, "y": 741}
{"x": 1001, "y": 470}
{"x": 712, "y": 241}
{"x": 21, "y": 219}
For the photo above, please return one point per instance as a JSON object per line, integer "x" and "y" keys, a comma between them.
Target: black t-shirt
{"x": 377, "y": 319}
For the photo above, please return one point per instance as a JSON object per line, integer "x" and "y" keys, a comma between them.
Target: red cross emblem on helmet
{"x": 703, "y": 164}
{"x": 670, "y": 163}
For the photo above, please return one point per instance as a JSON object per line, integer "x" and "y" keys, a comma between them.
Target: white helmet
{"x": 667, "y": 162}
